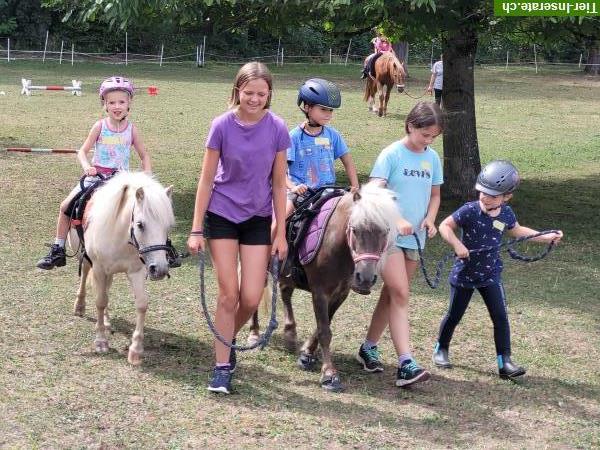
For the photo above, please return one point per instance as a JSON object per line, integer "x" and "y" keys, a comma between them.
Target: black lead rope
{"x": 433, "y": 283}
{"x": 263, "y": 340}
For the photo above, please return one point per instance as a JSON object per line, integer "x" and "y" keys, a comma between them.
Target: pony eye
{"x": 140, "y": 225}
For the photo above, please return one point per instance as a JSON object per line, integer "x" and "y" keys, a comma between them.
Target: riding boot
{"x": 507, "y": 369}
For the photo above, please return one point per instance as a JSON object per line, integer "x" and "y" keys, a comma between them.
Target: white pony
{"x": 126, "y": 231}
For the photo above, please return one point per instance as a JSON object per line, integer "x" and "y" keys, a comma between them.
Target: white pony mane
{"x": 156, "y": 204}
{"x": 376, "y": 208}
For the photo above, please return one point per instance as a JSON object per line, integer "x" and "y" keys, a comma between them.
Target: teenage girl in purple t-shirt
{"x": 242, "y": 182}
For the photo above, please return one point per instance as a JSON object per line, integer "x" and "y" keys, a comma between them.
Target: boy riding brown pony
{"x": 388, "y": 72}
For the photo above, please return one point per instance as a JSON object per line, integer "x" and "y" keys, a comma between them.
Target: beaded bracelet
{"x": 196, "y": 233}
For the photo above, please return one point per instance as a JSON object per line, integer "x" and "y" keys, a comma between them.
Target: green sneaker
{"x": 369, "y": 359}
{"x": 411, "y": 373}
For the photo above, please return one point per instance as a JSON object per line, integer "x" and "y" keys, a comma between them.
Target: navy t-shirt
{"x": 480, "y": 230}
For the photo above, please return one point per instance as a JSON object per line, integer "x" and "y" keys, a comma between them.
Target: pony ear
{"x": 139, "y": 194}
{"x": 169, "y": 191}
{"x": 356, "y": 197}
{"x": 122, "y": 200}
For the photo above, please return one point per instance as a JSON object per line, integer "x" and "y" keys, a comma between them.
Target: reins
{"x": 433, "y": 283}
{"x": 263, "y": 339}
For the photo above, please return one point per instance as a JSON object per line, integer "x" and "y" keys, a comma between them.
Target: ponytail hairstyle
{"x": 423, "y": 115}
{"x": 248, "y": 72}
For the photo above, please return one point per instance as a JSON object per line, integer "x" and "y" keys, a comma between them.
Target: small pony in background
{"x": 355, "y": 239}
{"x": 126, "y": 229}
{"x": 388, "y": 72}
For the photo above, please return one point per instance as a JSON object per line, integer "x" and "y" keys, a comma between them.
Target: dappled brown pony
{"x": 388, "y": 72}
{"x": 355, "y": 239}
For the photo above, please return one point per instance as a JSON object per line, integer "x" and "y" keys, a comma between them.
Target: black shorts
{"x": 254, "y": 231}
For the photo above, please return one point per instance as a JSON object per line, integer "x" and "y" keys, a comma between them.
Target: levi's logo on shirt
{"x": 424, "y": 173}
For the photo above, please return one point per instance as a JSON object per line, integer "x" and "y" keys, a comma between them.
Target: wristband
{"x": 196, "y": 233}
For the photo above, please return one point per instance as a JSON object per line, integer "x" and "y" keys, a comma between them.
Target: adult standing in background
{"x": 436, "y": 81}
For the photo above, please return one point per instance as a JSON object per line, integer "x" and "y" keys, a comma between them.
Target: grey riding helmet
{"x": 317, "y": 91}
{"x": 497, "y": 177}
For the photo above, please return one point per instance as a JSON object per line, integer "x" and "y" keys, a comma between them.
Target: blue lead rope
{"x": 263, "y": 339}
{"x": 433, "y": 283}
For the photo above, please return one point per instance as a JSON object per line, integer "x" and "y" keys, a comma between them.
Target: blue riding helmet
{"x": 498, "y": 177}
{"x": 317, "y": 91}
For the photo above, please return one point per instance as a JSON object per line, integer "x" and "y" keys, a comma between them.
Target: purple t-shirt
{"x": 242, "y": 185}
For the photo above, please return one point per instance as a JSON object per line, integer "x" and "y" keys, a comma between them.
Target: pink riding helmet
{"x": 116, "y": 83}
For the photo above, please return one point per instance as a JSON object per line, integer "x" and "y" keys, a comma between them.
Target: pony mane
{"x": 114, "y": 200}
{"x": 376, "y": 209}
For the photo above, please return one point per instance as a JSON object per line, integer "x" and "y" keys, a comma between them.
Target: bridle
{"x": 356, "y": 256}
{"x": 172, "y": 254}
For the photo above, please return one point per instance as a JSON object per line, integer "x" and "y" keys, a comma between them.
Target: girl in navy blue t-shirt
{"x": 483, "y": 223}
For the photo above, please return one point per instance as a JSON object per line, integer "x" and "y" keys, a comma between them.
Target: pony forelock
{"x": 376, "y": 208}
{"x": 123, "y": 187}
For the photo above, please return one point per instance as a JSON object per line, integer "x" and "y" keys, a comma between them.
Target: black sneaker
{"x": 56, "y": 258}
{"x": 232, "y": 357}
{"x": 410, "y": 373}
{"x": 440, "y": 357}
{"x": 369, "y": 359}
{"x": 509, "y": 370}
{"x": 221, "y": 380}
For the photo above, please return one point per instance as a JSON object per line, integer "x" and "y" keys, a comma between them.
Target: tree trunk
{"x": 461, "y": 151}
{"x": 593, "y": 61}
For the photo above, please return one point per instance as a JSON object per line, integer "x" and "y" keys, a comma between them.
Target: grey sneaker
{"x": 221, "y": 380}
{"x": 369, "y": 359}
{"x": 410, "y": 373}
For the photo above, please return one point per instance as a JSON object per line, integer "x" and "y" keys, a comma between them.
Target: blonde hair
{"x": 248, "y": 72}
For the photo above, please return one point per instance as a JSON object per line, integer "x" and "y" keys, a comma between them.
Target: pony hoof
{"x": 79, "y": 312}
{"x": 101, "y": 346}
{"x": 134, "y": 358}
{"x": 332, "y": 383}
{"x": 306, "y": 361}
{"x": 252, "y": 339}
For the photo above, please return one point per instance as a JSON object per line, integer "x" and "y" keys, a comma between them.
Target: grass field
{"x": 56, "y": 393}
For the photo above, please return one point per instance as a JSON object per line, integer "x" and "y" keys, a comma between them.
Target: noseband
{"x": 172, "y": 254}
{"x": 356, "y": 257}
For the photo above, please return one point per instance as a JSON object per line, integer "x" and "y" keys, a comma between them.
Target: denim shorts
{"x": 412, "y": 254}
{"x": 254, "y": 231}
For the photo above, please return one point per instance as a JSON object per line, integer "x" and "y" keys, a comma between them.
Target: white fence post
{"x": 162, "y": 49}
{"x": 8, "y": 50}
{"x": 45, "y": 46}
{"x": 535, "y": 58}
{"x": 126, "y": 48}
{"x": 281, "y": 56}
{"x": 62, "y": 44}
{"x": 72, "y": 53}
{"x": 278, "y": 48}
{"x": 348, "y": 52}
{"x": 580, "y": 58}
{"x": 329, "y": 55}
{"x": 506, "y": 59}
{"x": 203, "y": 50}
{"x": 197, "y": 56}
{"x": 431, "y": 59}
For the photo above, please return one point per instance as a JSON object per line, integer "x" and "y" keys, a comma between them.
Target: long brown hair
{"x": 253, "y": 70}
{"x": 423, "y": 115}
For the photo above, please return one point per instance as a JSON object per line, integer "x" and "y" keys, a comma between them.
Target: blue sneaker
{"x": 221, "y": 380}
{"x": 410, "y": 373}
{"x": 232, "y": 357}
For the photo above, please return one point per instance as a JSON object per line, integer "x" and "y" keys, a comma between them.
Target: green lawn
{"x": 56, "y": 393}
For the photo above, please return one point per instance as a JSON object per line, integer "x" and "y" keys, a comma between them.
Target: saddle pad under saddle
{"x": 314, "y": 236}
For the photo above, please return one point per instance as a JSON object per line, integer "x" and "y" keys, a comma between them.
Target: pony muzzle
{"x": 400, "y": 88}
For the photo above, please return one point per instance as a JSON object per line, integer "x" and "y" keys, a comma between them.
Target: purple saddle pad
{"x": 314, "y": 236}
